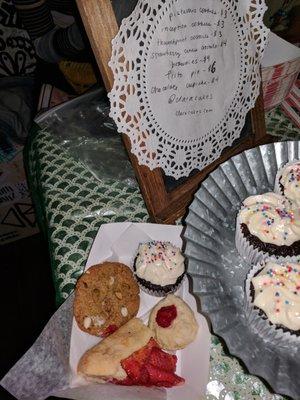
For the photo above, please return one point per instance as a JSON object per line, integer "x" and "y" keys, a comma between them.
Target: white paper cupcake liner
{"x": 261, "y": 324}
{"x": 277, "y": 188}
{"x": 253, "y": 255}
{"x": 245, "y": 249}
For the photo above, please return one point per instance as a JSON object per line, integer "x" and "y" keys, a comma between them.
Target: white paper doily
{"x": 186, "y": 73}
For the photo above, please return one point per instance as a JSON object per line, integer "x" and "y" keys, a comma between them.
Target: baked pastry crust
{"x": 103, "y": 361}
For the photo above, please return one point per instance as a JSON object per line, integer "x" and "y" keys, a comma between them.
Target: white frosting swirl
{"x": 272, "y": 218}
{"x": 289, "y": 177}
{"x": 277, "y": 293}
{"x": 160, "y": 263}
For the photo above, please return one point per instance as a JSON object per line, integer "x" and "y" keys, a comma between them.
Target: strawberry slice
{"x": 150, "y": 366}
{"x": 144, "y": 380}
{"x": 162, "y": 360}
{"x": 133, "y": 368}
{"x": 142, "y": 355}
{"x": 134, "y": 364}
{"x": 158, "y": 377}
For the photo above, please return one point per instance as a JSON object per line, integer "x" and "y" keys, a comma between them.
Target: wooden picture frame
{"x": 164, "y": 206}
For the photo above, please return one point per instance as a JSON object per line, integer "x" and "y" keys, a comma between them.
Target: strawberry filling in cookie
{"x": 109, "y": 330}
{"x": 166, "y": 315}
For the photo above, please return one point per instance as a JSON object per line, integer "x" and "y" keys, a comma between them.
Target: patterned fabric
{"x": 279, "y": 125}
{"x": 51, "y": 42}
{"x": 36, "y": 16}
{"x": 277, "y": 81}
{"x": 291, "y": 105}
{"x": 229, "y": 381}
{"x": 71, "y": 204}
{"x": 17, "y": 55}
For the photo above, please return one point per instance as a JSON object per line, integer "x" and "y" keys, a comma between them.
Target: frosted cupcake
{"x": 274, "y": 289}
{"x": 159, "y": 267}
{"x": 268, "y": 225}
{"x": 287, "y": 181}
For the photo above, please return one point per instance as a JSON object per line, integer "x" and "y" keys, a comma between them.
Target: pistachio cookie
{"x": 106, "y": 297}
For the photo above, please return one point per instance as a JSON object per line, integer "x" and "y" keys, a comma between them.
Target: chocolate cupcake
{"x": 159, "y": 268}
{"x": 268, "y": 225}
{"x": 273, "y": 290}
{"x": 287, "y": 181}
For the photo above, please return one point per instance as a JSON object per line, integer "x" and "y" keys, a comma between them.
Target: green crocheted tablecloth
{"x": 71, "y": 204}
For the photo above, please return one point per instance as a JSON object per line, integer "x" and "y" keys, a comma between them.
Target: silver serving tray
{"x": 218, "y": 272}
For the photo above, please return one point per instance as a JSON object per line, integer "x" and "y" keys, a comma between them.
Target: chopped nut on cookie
{"x": 124, "y": 311}
{"x": 101, "y": 303}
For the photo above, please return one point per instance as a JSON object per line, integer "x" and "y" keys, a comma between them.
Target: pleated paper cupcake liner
{"x": 277, "y": 188}
{"x": 261, "y": 323}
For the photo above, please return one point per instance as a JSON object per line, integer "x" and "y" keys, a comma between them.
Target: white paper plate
{"x": 119, "y": 242}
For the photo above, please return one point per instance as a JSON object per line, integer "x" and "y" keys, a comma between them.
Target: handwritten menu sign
{"x": 192, "y": 68}
{"x": 186, "y": 74}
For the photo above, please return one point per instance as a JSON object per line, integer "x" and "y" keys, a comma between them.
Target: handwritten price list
{"x": 191, "y": 60}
